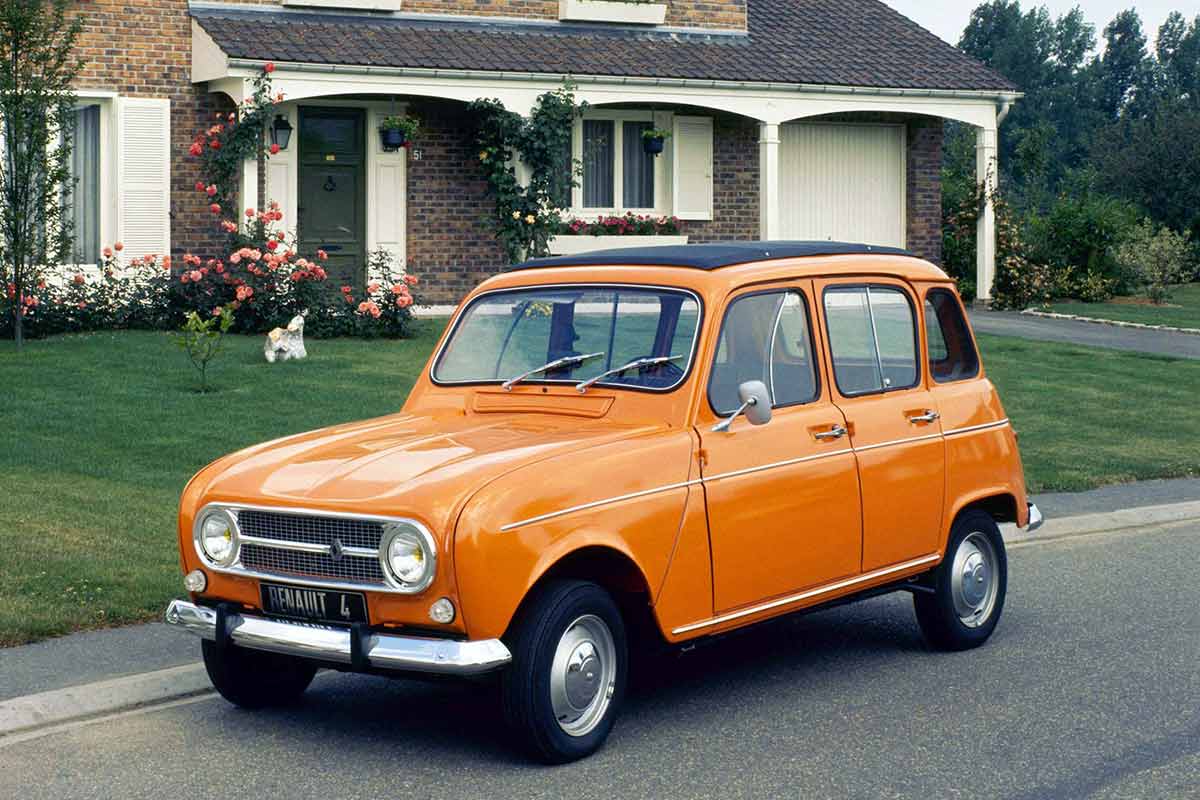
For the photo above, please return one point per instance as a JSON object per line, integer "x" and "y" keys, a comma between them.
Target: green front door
{"x": 332, "y": 203}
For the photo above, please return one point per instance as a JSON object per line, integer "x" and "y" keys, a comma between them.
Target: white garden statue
{"x": 285, "y": 343}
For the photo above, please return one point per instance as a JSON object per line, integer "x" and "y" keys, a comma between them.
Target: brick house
{"x": 791, "y": 119}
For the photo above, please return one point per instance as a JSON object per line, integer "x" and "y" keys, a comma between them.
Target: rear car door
{"x": 874, "y": 347}
{"x": 782, "y": 498}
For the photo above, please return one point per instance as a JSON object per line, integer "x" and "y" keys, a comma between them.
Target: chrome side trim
{"x": 737, "y": 473}
{"x": 909, "y": 440}
{"x": 747, "y": 471}
{"x": 809, "y": 594}
{"x": 597, "y": 503}
{"x": 973, "y": 428}
{"x": 385, "y": 651}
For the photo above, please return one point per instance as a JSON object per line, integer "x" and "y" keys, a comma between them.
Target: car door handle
{"x": 929, "y": 416}
{"x": 836, "y": 432}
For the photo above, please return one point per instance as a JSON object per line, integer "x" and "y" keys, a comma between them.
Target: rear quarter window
{"x": 952, "y": 353}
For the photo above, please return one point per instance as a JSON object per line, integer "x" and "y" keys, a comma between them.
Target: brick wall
{"x": 924, "y": 188}
{"x": 450, "y": 245}
{"x": 735, "y": 183}
{"x": 142, "y": 48}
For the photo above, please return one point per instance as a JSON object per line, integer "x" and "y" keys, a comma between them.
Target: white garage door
{"x": 843, "y": 182}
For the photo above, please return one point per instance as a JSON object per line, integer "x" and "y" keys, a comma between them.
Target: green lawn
{"x": 1181, "y": 311}
{"x": 102, "y": 431}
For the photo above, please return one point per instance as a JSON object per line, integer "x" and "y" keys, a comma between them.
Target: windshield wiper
{"x": 558, "y": 363}
{"x": 637, "y": 363}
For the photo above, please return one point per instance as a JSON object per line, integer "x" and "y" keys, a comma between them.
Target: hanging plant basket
{"x": 392, "y": 139}
{"x": 396, "y": 132}
{"x": 653, "y": 140}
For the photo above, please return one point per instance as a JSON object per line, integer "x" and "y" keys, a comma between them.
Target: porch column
{"x": 248, "y": 190}
{"x": 768, "y": 181}
{"x": 986, "y": 168}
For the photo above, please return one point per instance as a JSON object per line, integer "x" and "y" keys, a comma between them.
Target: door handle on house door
{"x": 929, "y": 416}
{"x": 836, "y": 432}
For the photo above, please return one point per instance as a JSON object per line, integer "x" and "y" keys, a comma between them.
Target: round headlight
{"x": 408, "y": 556}
{"x": 218, "y": 537}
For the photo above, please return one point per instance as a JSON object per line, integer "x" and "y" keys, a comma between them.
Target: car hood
{"x": 402, "y": 463}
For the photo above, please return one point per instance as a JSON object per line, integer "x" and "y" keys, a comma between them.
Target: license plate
{"x": 317, "y": 605}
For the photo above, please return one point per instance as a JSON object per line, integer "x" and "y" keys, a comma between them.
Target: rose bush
{"x": 629, "y": 224}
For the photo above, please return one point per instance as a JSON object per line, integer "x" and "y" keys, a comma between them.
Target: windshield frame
{"x": 535, "y": 381}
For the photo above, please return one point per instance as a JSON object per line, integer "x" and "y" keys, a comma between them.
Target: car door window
{"x": 952, "y": 355}
{"x": 872, "y": 338}
{"x": 766, "y": 336}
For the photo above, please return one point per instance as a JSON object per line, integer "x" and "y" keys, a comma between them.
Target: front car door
{"x": 874, "y": 346}
{"x": 783, "y": 503}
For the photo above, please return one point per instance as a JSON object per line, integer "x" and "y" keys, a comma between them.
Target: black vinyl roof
{"x": 709, "y": 256}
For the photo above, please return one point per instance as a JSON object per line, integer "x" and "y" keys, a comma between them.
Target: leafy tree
{"x": 1158, "y": 258}
{"x": 1124, "y": 74}
{"x": 1178, "y": 54}
{"x": 37, "y": 66}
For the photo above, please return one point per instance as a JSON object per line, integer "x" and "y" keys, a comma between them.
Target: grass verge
{"x": 102, "y": 431}
{"x": 1181, "y": 311}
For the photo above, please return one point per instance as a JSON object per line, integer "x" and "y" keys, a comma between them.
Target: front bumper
{"x": 359, "y": 648}
{"x": 1035, "y": 518}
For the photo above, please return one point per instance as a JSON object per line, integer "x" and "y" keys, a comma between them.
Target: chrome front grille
{"x": 301, "y": 545}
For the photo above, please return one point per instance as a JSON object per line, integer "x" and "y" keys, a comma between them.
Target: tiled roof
{"x": 861, "y": 43}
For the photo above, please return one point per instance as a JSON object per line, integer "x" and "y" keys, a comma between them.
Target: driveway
{"x": 1026, "y": 326}
{"x": 1087, "y": 689}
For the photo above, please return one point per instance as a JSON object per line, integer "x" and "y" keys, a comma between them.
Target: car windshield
{"x": 503, "y": 335}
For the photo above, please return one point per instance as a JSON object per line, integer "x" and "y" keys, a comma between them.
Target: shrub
{"x": 1157, "y": 257}
{"x": 201, "y": 339}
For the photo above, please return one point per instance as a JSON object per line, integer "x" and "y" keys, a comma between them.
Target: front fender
{"x": 629, "y": 498}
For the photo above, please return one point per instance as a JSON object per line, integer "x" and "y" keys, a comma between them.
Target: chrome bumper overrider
{"x": 379, "y": 650}
{"x": 1035, "y": 518}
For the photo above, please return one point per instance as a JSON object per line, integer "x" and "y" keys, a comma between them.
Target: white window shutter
{"x": 144, "y": 175}
{"x": 692, "y": 160}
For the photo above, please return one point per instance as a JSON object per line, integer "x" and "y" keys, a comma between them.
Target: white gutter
{"x": 255, "y": 65}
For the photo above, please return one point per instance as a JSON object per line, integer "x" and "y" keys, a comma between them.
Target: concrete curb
{"x": 1100, "y": 523}
{"x": 1116, "y": 323}
{"x": 24, "y": 714}
{"x": 76, "y": 703}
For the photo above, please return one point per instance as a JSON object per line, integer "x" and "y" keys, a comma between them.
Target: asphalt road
{"x": 1027, "y": 326}
{"x": 1089, "y": 688}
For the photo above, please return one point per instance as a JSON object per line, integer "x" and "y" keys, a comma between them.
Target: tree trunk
{"x": 18, "y": 330}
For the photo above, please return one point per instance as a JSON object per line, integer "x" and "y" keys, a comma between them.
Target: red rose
{"x": 274, "y": 148}
{"x": 269, "y": 67}
{"x": 215, "y": 144}
{"x": 212, "y": 189}
{"x": 215, "y": 208}
{"x": 195, "y": 149}
{"x": 272, "y": 244}
{"x": 199, "y": 186}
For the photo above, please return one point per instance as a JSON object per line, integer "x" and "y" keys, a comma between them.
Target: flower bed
{"x": 630, "y": 230}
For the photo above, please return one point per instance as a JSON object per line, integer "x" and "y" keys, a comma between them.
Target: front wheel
{"x": 969, "y": 586}
{"x": 564, "y": 687}
{"x": 256, "y": 679}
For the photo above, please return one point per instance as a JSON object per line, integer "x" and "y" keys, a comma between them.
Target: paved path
{"x": 1114, "y": 498}
{"x": 1010, "y": 323}
{"x": 1087, "y": 689}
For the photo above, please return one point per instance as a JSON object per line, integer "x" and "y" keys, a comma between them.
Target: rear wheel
{"x": 969, "y": 586}
{"x": 254, "y": 678}
{"x": 564, "y": 687}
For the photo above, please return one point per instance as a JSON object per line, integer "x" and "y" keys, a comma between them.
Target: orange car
{"x": 673, "y": 441}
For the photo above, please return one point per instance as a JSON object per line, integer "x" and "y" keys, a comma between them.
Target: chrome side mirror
{"x": 756, "y": 405}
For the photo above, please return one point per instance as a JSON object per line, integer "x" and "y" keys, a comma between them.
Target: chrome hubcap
{"x": 583, "y": 675}
{"x": 973, "y": 580}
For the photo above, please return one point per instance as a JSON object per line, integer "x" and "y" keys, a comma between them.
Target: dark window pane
{"x": 952, "y": 355}
{"x": 764, "y": 337}
{"x": 85, "y": 185}
{"x": 598, "y": 153}
{"x": 637, "y": 166}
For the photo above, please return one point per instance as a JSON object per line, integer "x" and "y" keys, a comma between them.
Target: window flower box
{"x": 612, "y": 11}
{"x": 574, "y": 245}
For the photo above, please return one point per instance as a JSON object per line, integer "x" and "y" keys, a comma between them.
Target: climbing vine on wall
{"x": 528, "y": 214}
{"x": 225, "y": 145}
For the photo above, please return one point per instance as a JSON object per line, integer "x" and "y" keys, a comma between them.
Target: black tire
{"x": 256, "y": 679}
{"x": 525, "y": 685}
{"x": 942, "y": 621}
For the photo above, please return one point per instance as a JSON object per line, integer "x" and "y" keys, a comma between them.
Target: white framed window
{"x": 91, "y": 193}
{"x": 618, "y": 175}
